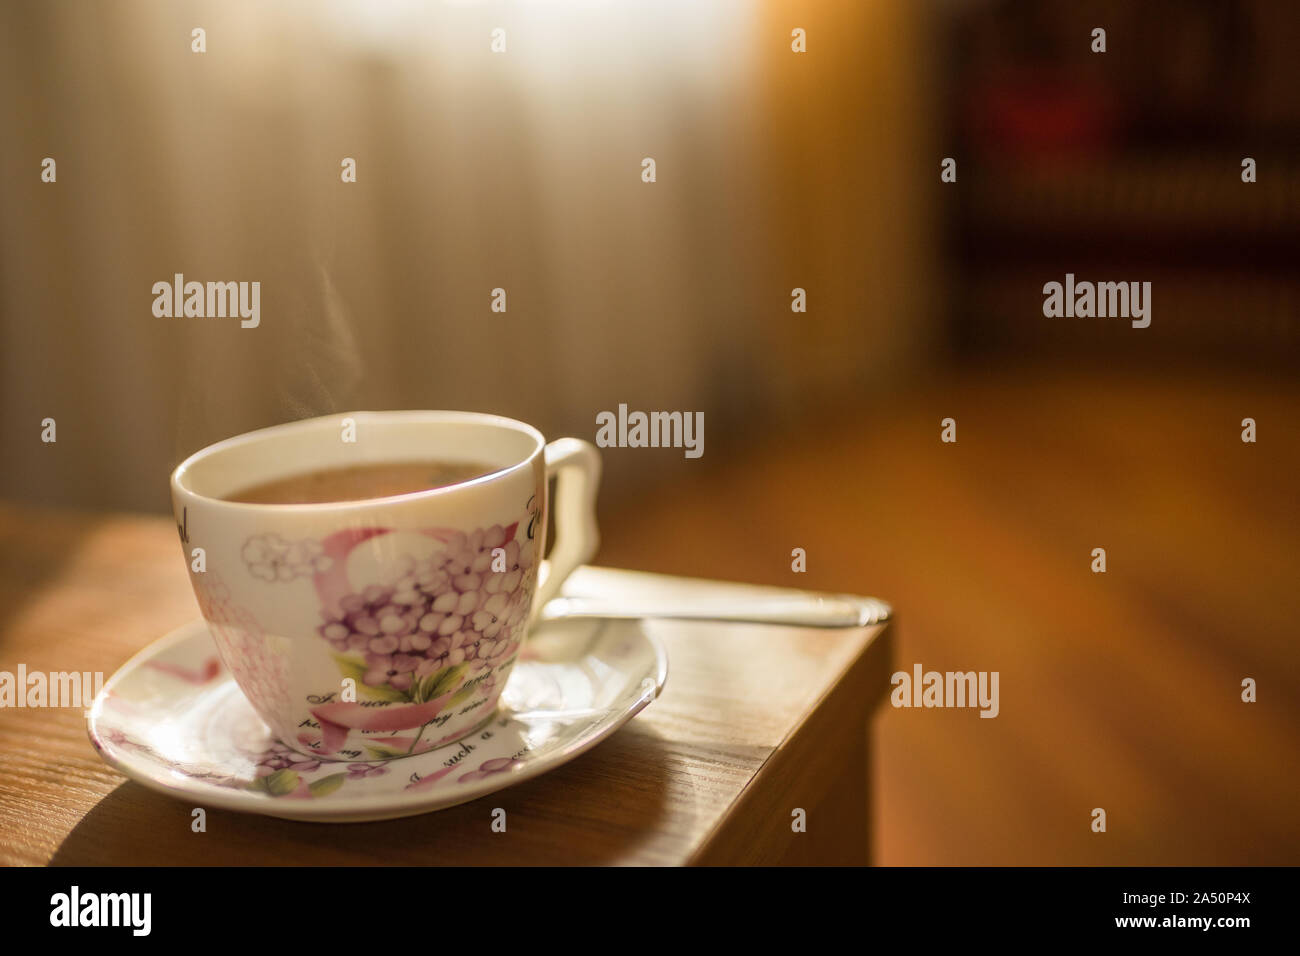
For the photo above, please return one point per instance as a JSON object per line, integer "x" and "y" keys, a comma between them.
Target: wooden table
{"x": 754, "y": 723}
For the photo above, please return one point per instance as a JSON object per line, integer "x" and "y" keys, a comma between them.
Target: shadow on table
{"x": 606, "y": 806}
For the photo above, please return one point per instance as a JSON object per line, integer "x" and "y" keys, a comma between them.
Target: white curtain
{"x": 475, "y": 171}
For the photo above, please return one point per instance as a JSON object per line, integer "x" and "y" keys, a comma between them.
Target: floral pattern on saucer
{"x": 174, "y": 719}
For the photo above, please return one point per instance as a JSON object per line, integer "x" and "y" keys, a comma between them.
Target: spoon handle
{"x": 810, "y": 610}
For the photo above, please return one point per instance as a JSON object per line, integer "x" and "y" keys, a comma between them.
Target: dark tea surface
{"x": 360, "y": 482}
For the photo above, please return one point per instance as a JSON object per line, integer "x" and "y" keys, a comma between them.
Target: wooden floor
{"x": 1119, "y": 690}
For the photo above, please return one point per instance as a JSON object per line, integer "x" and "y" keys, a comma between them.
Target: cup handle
{"x": 575, "y": 464}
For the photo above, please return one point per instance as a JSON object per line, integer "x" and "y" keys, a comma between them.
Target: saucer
{"x": 173, "y": 719}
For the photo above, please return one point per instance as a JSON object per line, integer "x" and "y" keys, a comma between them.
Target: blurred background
{"x": 775, "y": 170}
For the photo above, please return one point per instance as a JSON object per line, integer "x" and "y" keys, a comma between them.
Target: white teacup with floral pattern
{"x": 365, "y": 630}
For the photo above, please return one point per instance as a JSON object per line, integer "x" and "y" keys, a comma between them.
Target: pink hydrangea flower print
{"x": 429, "y": 638}
{"x": 446, "y": 610}
{"x": 282, "y": 772}
{"x": 271, "y": 558}
{"x": 258, "y": 667}
{"x": 280, "y": 757}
